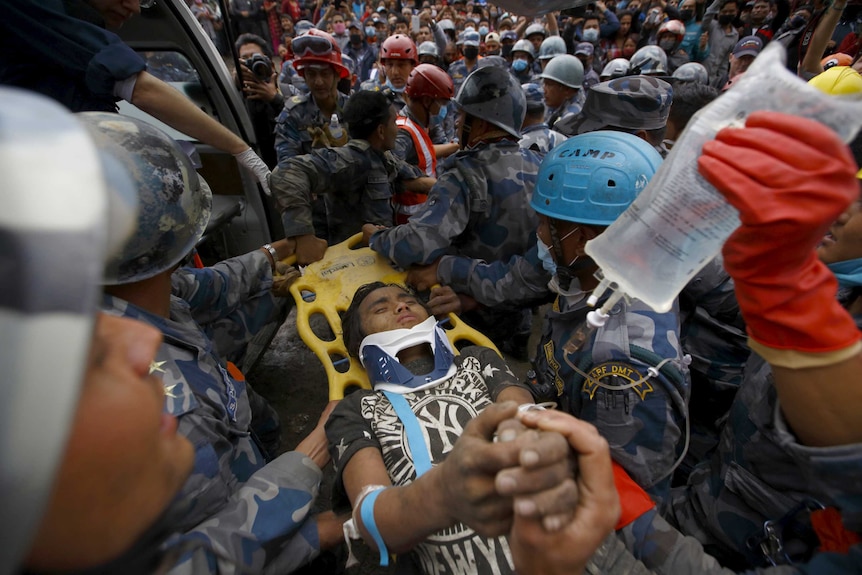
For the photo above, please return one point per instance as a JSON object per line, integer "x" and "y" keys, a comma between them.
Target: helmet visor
{"x": 306, "y": 45}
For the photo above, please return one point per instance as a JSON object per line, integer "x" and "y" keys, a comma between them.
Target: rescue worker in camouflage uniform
{"x": 304, "y": 123}
{"x": 479, "y": 207}
{"x": 428, "y": 94}
{"x": 361, "y": 177}
{"x": 253, "y": 513}
{"x": 536, "y": 135}
{"x": 460, "y": 69}
{"x": 626, "y": 376}
{"x": 563, "y": 80}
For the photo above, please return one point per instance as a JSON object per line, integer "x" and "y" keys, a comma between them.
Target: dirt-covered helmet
{"x": 493, "y": 95}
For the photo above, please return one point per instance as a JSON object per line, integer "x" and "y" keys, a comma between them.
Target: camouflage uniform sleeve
{"x": 322, "y": 171}
{"x": 403, "y": 146}
{"x": 288, "y": 142}
{"x": 666, "y": 551}
{"x": 217, "y": 291}
{"x": 520, "y": 281}
{"x": 429, "y": 234}
{"x": 266, "y": 522}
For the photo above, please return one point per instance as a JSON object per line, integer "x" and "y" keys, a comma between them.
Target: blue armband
{"x": 366, "y": 511}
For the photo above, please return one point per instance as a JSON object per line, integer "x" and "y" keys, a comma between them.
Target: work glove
{"x": 252, "y": 162}
{"x": 790, "y": 178}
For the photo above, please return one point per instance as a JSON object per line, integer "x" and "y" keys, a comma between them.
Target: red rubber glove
{"x": 790, "y": 178}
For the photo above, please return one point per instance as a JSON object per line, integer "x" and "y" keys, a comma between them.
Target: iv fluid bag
{"x": 679, "y": 222}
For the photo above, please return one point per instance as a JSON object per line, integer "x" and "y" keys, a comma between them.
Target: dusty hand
{"x": 469, "y": 472}
{"x": 423, "y": 278}
{"x": 369, "y": 230}
{"x": 443, "y": 301}
{"x": 284, "y": 278}
{"x": 309, "y": 249}
{"x": 538, "y": 551}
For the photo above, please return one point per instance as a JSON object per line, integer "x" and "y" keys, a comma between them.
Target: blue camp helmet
{"x": 492, "y": 94}
{"x": 175, "y": 202}
{"x": 593, "y": 178}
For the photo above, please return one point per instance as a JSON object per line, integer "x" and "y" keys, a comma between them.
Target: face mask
{"x": 371, "y": 31}
{"x": 393, "y": 88}
{"x": 797, "y": 21}
{"x": 470, "y": 52}
{"x": 440, "y": 115}
{"x": 545, "y": 255}
{"x": 506, "y": 50}
{"x": 686, "y": 15}
{"x": 590, "y": 35}
{"x": 493, "y": 13}
{"x": 483, "y": 31}
{"x": 725, "y": 19}
{"x": 339, "y": 28}
{"x": 519, "y": 65}
{"x": 355, "y": 38}
{"x": 667, "y": 44}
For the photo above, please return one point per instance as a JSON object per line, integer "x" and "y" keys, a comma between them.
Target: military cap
{"x": 630, "y": 102}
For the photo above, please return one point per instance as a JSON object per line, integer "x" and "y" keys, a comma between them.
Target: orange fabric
{"x": 199, "y": 263}
{"x": 830, "y": 530}
{"x": 633, "y": 500}
{"x": 234, "y": 371}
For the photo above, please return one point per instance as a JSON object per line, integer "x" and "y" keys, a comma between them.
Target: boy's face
{"x": 389, "y": 308}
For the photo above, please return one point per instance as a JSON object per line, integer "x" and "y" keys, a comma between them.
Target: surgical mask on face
{"x": 590, "y": 35}
{"x": 483, "y": 31}
{"x": 667, "y": 44}
{"x": 393, "y": 88}
{"x": 440, "y": 115}
{"x": 686, "y": 15}
{"x": 338, "y": 27}
{"x": 471, "y": 52}
{"x": 371, "y": 31}
{"x": 545, "y": 255}
{"x": 519, "y": 65}
{"x": 725, "y": 19}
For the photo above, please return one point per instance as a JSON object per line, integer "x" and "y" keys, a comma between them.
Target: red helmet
{"x": 317, "y": 47}
{"x": 399, "y": 47}
{"x": 675, "y": 27}
{"x": 429, "y": 80}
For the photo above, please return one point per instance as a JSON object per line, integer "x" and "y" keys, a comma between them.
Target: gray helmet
{"x": 525, "y": 46}
{"x": 428, "y": 49}
{"x": 616, "y": 68}
{"x": 692, "y": 72}
{"x": 493, "y": 95}
{"x": 175, "y": 202}
{"x": 498, "y": 61}
{"x": 565, "y": 69}
{"x": 60, "y": 220}
{"x": 649, "y": 60}
{"x": 552, "y": 46}
{"x": 535, "y": 29}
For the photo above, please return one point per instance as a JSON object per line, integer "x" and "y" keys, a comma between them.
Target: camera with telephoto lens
{"x": 260, "y": 66}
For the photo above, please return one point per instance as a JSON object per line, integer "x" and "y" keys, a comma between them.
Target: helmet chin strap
{"x": 565, "y": 272}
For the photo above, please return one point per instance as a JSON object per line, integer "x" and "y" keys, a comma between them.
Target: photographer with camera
{"x": 257, "y": 80}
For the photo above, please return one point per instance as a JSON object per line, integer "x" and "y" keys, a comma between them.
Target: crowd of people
{"x": 480, "y": 151}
